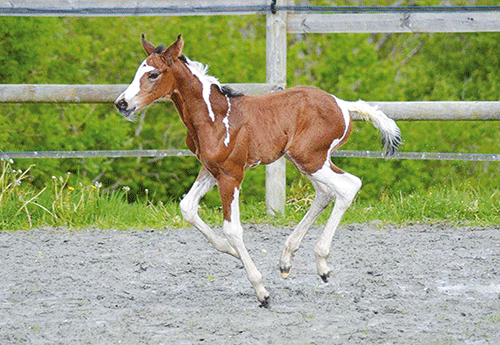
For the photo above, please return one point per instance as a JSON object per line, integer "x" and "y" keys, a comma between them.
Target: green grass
{"x": 85, "y": 205}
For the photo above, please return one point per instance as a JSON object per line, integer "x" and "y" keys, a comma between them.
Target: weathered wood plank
{"x": 129, "y": 7}
{"x": 394, "y": 22}
{"x": 400, "y": 111}
{"x": 6, "y": 155}
{"x": 94, "y": 154}
{"x": 440, "y": 111}
{"x": 54, "y": 93}
{"x": 276, "y": 47}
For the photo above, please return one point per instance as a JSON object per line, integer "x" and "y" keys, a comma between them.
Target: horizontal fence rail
{"x": 441, "y": 156}
{"x": 95, "y": 154}
{"x": 387, "y": 9}
{"x": 399, "y": 111}
{"x": 394, "y": 22}
{"x": 200, "y": 7}
{"x": 485, "y": 157}
{"x": 95, "y": 8}
{"x": 439, "y": 111}
{"x": 62, "y": 93}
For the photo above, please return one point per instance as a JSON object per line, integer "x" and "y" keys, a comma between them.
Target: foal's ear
{"x": 148, "y": 47}
{"x": 175, "y": 50}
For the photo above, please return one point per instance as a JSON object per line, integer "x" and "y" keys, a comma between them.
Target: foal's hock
{"x": 231, "y": 132}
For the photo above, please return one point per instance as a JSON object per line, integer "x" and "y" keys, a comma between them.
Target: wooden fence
{"x": 282, "y": 17}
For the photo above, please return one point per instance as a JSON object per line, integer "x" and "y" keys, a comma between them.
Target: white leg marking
{"x": 322, "y": 200}
{"x": 345, "y": 187}
{"x": 134, "y": 87}
{"x": 189, "y": 210}
{"x": 234, "y": 233}
{"x": 324, "y": 195}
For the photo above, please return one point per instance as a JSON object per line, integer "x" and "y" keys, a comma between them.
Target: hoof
{"x": 266, "y": 302}
{"x": 325, "y": 277}
{"x": 285, "y": 272}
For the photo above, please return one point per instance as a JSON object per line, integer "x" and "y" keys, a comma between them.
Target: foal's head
{"x": 153, "y": 80}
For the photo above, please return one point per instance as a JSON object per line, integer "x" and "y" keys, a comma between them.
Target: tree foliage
{"x": 399, "y": 67}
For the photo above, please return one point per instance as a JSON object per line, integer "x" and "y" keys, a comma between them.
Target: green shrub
{"x": 402, "y": 67}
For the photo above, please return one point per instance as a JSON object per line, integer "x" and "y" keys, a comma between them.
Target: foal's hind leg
{"x": 189, "y": 210}
{"x": 322, "y": 199}
{"x": 345, "y": 187}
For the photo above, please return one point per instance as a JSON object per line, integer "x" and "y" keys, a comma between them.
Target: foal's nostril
{"x": 121, "y": 104}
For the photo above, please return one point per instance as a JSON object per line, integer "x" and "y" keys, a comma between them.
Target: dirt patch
{"x": 420, "y": 284}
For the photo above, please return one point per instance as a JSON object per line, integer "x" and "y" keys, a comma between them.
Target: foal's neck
{"x": 190, "y": 102}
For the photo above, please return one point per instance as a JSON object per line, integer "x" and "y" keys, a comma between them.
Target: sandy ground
{"x": 419, "y": 284}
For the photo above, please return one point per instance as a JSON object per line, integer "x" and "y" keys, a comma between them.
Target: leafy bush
{"x": 402, "y": 67}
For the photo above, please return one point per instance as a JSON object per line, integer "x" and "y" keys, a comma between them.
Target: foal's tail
{"x": 391, "y": 135}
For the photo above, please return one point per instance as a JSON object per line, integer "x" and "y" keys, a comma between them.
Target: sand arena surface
{"x": 419, "y": 284}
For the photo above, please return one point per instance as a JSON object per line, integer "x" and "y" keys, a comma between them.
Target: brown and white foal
{"x": 231, "y": 132}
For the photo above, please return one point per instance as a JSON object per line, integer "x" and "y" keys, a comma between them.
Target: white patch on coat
{"x": 345, "y": 114}
{"x": 391, "y": 135}
{"x": 225, "y": 121}
{"x": 134, "y": 87}
{"x": 200, "y": 71}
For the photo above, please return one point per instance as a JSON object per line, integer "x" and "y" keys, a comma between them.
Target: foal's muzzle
{"x": 122, "y": 106}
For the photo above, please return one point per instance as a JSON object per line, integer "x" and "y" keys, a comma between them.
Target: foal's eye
{"x": 154, "y": 75}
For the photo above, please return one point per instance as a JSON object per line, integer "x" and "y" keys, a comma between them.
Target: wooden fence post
{"x": 276, "y": 74}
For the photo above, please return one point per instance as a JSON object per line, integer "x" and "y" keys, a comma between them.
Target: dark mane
{"x": 160, "y": 49}
{"x": 227, "y": 91}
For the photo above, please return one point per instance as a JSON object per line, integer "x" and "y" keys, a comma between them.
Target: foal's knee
{"x": 189, "y": 209}
{"x": 233, "y": 232}
{"x": 356, "y": 184}
{"x": 353, "y": 186}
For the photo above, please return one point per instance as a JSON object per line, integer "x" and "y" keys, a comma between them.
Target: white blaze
{"x": 134, "y": 87}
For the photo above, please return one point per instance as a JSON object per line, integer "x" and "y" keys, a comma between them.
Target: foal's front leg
{"x": 189, "y": 210}
{"x": 229, "y": 192}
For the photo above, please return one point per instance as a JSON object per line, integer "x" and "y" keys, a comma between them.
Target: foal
{"x": 230, "y": 132}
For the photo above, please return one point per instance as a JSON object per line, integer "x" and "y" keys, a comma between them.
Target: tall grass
{"x": 61, "y": 204}
{"x": 463, "y": 204}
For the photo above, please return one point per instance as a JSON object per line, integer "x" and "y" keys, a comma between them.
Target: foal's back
{"x": 301, "y": 122}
